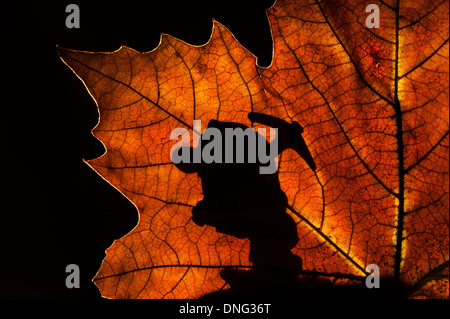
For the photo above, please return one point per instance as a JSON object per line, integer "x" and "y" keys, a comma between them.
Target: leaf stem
{"x": 401, "y": 160}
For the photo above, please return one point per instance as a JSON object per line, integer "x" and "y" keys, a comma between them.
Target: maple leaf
{"x": 374, "y": 107}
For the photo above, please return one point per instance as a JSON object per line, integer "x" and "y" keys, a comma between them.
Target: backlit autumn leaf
{"x": 374, "y": 107}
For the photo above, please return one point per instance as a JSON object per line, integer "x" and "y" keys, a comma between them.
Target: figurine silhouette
{"x": 241, "y": 202}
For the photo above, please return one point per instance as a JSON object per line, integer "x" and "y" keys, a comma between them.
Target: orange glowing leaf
{"x": 374, "y": 107}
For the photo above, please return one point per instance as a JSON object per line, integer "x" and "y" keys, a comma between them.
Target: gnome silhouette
{"x": 242, "y": 202}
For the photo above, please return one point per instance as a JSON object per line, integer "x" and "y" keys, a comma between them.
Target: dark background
{"x": 54, "y": 210}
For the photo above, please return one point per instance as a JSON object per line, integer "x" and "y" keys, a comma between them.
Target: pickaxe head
{"x": 289, "y": 135}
